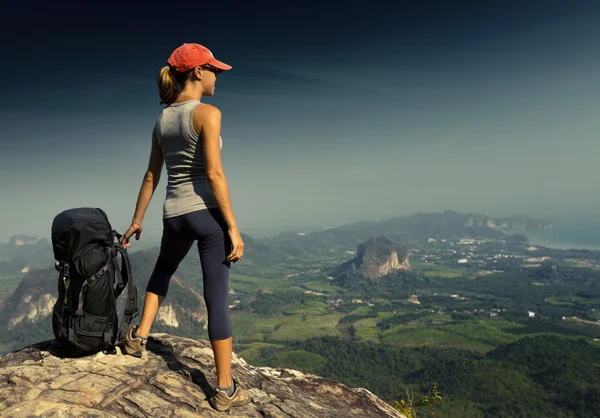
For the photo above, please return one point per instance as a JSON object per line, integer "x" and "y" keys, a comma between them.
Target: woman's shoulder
{"x": 204, "y": 113}
{"x": 206, "y": 110}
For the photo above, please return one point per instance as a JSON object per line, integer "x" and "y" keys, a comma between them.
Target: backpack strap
{"x": 79, "y": 311}
{"x": 131, "y": 309}
{"x": 126, "y": 275}
{"x": 95, "y": 276}
{"x": 118, "y": 284}
{"x": 63, "y": 268}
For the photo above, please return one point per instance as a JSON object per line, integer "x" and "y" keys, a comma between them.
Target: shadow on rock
{"x": 174, "y": 364}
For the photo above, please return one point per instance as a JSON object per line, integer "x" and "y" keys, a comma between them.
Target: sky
{"x": 332, "y": 113}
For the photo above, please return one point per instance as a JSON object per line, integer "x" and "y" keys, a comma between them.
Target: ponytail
{"x": 167, "y": 86}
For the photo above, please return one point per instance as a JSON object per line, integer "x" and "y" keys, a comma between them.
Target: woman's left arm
{"x": 151, "y": 180}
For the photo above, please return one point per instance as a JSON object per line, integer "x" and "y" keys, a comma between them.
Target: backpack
{"x": 96, "y": 299}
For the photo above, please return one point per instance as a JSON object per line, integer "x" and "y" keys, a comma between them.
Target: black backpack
{"x": 96, "y": 299}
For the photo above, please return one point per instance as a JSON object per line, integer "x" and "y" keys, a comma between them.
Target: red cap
{"x": 188, "y": 56}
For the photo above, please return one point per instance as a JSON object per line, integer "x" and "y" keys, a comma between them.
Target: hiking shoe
{"x": 221, "y": 402}
{"x": 133, "y": 344}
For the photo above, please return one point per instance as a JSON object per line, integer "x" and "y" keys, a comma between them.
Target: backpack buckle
{"x": 62, "y": 268}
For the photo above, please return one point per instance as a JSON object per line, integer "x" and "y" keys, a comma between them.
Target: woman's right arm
{"x": 207, "y": 121}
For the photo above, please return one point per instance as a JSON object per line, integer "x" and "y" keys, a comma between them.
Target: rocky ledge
{"x": 173, "y": 379}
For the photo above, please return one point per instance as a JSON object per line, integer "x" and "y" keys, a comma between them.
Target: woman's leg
{"x": 175, "y": 245}
{"x": 152, "y": 302}
{"x": 214, "y": 246}
{"x": 222, "y": 350}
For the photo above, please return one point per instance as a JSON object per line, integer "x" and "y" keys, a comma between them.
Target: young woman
{"x": 197, "y": 207}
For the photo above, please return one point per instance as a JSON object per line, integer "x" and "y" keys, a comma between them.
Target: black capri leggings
{"x": 208, "y": 227}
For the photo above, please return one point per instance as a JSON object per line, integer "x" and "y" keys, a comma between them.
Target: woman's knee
{"x": 159, "y": 284}
{"x": 220, "y": 337}
{"x": 220, "y": 330}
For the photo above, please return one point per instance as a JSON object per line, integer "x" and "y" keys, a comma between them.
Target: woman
{"x": 197, "y": 207}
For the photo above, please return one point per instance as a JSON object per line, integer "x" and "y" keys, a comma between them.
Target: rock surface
{"x": 173, "y": 379}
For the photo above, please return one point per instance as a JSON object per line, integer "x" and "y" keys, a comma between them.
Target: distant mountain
{"x": 375, "y": 258}
{"x": 378, "y": 257}
{"x": 23, "y": 240}
{"x": 380, "y": 267}
{"x": 23, "y": 253}
{"x": 409, "y": 230}
{"x": 511, "y": 224}
{"x": 32, "y": 300}
{"x": 450, "y": 224}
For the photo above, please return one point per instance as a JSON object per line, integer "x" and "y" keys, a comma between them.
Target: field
{"x": 571, "y": 300}
{"x": 437, "y": 270}
{"x": 320, "y": 286}
{"x": 251, "y": 352}
{"x": 300, "y": 360}
{"x": 298, "y": 322}
{"x": 366, "y": 329}
{"x": 251, "y": 284}
{"x": 480, "y": 335}
{"x": 303, "y": 321}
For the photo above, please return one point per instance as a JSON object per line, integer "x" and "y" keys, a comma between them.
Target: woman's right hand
{"x": 135, "y": 228}
{"x": 238, "y": 245}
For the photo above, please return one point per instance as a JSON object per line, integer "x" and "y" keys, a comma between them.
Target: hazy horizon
{"x": 567, "y": 233}
{"x": 328, "y": 117}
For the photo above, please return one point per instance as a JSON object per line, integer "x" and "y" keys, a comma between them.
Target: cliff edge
{"x": 172, "y": 379}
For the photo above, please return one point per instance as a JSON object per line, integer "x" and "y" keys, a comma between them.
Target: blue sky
{"x": 331, "y": 114}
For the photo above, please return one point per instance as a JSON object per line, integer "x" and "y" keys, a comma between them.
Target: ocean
{"x": 568, "y": 234}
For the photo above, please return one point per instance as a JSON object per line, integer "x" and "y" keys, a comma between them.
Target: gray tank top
{"x": 187, "y": 188}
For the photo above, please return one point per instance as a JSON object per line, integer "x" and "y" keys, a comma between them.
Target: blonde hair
{"x": 169, "y": 82}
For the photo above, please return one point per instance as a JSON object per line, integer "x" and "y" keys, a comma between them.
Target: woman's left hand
{"x": 135, "y": 228}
